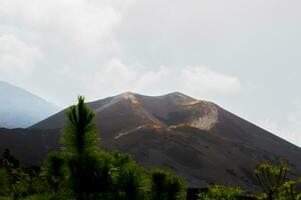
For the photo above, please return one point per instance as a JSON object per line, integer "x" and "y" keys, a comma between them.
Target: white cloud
{"x": 116, "y": 77}
{"x": 17, "y": 56}
{"x": 78, "y": 23}
{"x": 202, "y": 79}
{"x": 158, "y": 81}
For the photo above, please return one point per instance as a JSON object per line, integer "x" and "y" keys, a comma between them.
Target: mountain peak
{"x": 176, "y": 94}
{"x": 127, "y": 93}
{"x": 179, "y": 95}
{"x": 128, "y": 96}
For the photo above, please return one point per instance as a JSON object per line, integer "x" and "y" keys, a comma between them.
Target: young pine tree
{"x": 81, "y": 139}
{"x": 80, "y": 135}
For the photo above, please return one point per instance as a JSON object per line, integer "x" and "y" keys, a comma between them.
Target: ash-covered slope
{"x": 198, "y": 140}
{"x": 20, "y": 108}
{"x": 128, "y": 111}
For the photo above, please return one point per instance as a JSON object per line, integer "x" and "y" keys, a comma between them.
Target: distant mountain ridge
{"x": 20, "y": 108}
{"x": 195, "y": 139}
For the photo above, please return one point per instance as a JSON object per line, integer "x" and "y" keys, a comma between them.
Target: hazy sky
{"x": 244, "y": 55}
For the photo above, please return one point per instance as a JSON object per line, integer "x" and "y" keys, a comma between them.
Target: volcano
{"x": 197, "y": 140}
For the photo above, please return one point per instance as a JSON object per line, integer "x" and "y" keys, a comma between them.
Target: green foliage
{"x": 20, "y": 189}
{"x": 220, "y": 192}
{"x": 176, "y": 188}
{"x": 121, "y": 159}
{"x": 80, "y": 135}
{"x": 12, "y": 166}
{"x": 38, "y": 197}
{"x": 132, "y": 183}
{"x": 5, "y": 198}
{"x": 271, "y": 178}
{"x": 88, "y": 176}
{"x": 27, "y": 185}
{"x": 80, "y": 139}
{"x": 3, "y": 181}
{"x": 286, "y": 192}
{"x": 8, "y": 160}
{"x": 166, "y": 186}
{"x": 49, "y": 196}
{"x": 54, "y": 170}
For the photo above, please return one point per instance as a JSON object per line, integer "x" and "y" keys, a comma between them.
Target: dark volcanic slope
{"x": 31, "y": 146}
{"x": 196, "y": 139}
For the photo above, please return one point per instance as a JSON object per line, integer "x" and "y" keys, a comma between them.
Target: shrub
{"x": 54, "y": 171}
{"x": 167, "y": 186}
{"x": 220, "y": 192}
{"x": 132, "y": 183}
{"x": 271, "y": 179}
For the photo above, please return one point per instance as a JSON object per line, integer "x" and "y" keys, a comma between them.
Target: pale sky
{"x": 243, "y": 55}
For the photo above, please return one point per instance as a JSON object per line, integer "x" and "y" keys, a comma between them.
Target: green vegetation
{"x": 273, "y": 180}
{"x": 82, "y": 171}
{"x": 220, "y": 192}
{"x": 166, "y": 186}
{"x": 275, "y": 183}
